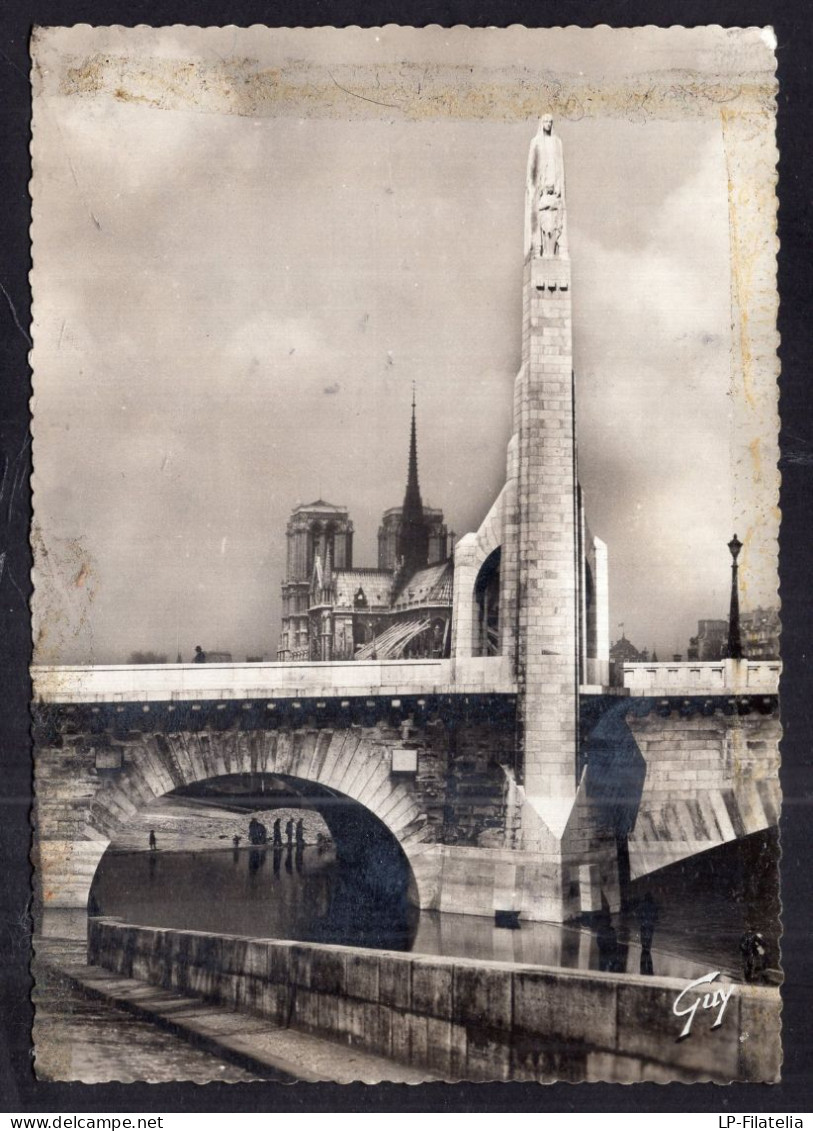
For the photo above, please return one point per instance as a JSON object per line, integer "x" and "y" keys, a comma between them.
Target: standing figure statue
{"x": 545, "y": 194}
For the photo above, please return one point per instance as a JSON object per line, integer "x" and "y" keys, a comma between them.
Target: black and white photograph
{"x": 405, "y": 515}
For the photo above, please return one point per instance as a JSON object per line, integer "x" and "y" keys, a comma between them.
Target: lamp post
{"x": 734, "y": 639}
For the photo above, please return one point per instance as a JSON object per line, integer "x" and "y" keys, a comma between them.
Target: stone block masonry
{"x": 457, "y": 1018}
{"x": 474, "y": 841}
{"x": 710, "y": 778}
{"x": 547, "y": 620}
{"x": 456, "y": 798}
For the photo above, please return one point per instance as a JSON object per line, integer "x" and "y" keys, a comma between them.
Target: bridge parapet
{"x": 717, "y": 677}
{"x": 190, "y": 682}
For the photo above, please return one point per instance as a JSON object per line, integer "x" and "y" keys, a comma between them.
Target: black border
{"x": 19, "y": 1090}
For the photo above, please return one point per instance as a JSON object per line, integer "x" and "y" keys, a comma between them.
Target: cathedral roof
{"x": 376, "y": 583}
{"x": 429, "y": 586}
{"x": 320, "y": 505}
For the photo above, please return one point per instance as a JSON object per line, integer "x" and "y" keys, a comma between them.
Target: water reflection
{"x": 306, "y": 893}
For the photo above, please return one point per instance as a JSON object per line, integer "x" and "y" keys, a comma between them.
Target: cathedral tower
{"x": 315, "y": 531}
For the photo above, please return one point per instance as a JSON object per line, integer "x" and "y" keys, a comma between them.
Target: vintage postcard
{"x": 406, "y": 620}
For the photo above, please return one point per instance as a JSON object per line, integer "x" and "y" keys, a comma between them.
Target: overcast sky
{"x": 231, "y": 308}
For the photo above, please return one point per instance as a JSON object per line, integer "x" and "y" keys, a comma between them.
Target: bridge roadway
{"x": 190, "y": 682}
{"x": 472, "y": 675}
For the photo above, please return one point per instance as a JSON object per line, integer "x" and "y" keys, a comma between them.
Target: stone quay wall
{"x": 458, "y": 1018}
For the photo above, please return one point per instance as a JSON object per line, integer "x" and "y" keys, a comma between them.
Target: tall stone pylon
{"x": 543, "y": 565}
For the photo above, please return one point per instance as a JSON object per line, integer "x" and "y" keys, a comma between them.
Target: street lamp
{"x": 734, "y": 639}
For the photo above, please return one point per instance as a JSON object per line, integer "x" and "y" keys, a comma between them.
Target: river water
{"x": 310, "y": 896}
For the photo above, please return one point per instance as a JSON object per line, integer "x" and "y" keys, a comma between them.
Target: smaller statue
{"x": 545, "y": 193}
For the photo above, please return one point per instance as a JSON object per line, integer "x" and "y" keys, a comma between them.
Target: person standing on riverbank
{"x": 153, "y": 842}
{"x": 647, "y": 914}
{"x": 753, "y": 950}
{"x": 257, "y": 832}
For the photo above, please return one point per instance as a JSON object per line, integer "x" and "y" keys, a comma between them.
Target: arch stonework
{"x": 465, "y": 857}
{"x": 354, "y": 762}
{"x": 470, "y": 553}
{"x": 486, "y": 592}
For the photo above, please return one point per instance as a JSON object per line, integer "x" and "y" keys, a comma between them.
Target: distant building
{"x": 759, "y": 631}
{"x": 333, "y": 610}
{"x": 218, "y": 658}
{"x": 710, "y": 642}
{"x": 624, "y": 652}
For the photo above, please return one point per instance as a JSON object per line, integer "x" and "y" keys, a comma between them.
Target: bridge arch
{"x": 352, "y": 763}
{"x": 487, "y": 596}
{"x": 359, "y": 890}
{"x": 475, "y": 557}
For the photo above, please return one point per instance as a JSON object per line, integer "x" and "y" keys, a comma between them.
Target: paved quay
{"x": 93, "y": 1040}
{"x": 116, "y": 1028}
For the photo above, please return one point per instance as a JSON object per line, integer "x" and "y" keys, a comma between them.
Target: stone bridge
{"x": 506, "y": 777}
{"x": 414, "y": 767}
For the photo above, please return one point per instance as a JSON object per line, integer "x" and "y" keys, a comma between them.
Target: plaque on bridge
{"x": 108, "y": 757}
{"x": 404, "y": 760}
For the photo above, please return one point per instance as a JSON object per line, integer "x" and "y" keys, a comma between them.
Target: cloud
{"x": 652, "y": 334}
{"x": 246, "y": 271}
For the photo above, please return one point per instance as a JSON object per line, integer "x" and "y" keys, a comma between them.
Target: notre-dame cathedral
{"x": 333, "y": 610}
{"x": 530, "y": 586}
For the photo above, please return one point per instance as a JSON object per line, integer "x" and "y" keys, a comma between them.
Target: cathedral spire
{"x": 413, "y": 543}
{"x": 412, "y": 498}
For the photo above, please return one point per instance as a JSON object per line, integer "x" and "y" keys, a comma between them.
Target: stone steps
{"x": 266, "y": 1050}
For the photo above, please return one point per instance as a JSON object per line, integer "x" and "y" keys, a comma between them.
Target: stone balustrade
{"x": 707, "y": 677}
{"x": 474, "y": 675}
